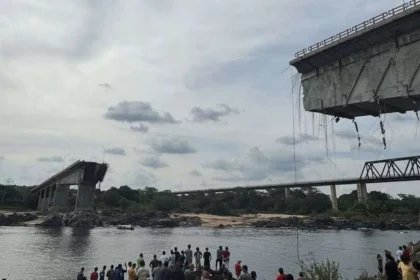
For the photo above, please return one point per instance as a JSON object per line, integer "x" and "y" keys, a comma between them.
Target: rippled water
{"x": 36, "y": 253}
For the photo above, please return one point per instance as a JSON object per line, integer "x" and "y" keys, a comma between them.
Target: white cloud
{"x": 145, "y": 64}
{"x": 195, "y": 173}
{"x": 115, "y": 151}
{"x": 209, "y": 114}
{"x": 50, "y": 159}
{"x": 153, "y": 161}
{"x": 171, "y": 146}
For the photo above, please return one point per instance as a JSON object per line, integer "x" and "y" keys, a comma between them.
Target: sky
{"x": 179, "y": 94}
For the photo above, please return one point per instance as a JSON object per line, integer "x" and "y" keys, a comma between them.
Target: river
{"x": 37, "y": 253}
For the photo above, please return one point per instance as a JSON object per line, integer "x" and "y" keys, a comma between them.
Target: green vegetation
{"x": 329, "y": 270}
{"x": 17, "y": 197}
{"x": 304, "y": 202}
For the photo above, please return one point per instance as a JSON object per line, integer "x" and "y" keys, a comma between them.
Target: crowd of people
{"x": 180, "y": 265}
{"x": 400, "y": 268}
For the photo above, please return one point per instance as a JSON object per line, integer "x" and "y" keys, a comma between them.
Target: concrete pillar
{"x": 60, "y": 197}
{"x": 85, "y": 197}
{"x": 362, "y": 195}
{"x": 286, "y": 192}
{"x": 44, "y": 200}
{"x": 51, "y": 196}
{"x": 40, "y": 200}
{"x": 334, "y": 200}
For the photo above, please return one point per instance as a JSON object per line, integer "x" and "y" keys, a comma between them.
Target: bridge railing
{"x": 361, "y": 26}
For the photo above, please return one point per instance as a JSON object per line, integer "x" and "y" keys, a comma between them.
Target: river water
{"x": 37, "y": 253}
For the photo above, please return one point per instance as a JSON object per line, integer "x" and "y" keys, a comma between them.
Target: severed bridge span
{"x": 380, "y": 171}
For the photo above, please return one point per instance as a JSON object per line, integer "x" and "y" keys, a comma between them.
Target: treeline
{"x": 304, "y": 202}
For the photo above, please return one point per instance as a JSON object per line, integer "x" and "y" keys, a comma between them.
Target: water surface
{"x": 37, "y": 253}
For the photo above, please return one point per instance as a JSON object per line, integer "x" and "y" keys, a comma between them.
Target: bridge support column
{"x": 85, "y": 197}
{"x": 40, "y": 200}
{"x": 362, "y": 195}
{"x": 334, "y": 200}
{"x": 286, "y": 192}
{"x": 50, "y": 196}
{"x": 44, "y": 201}
{"x": 60, "y": 197}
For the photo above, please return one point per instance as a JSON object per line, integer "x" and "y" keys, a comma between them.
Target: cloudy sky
{"x": 178, "y": 94}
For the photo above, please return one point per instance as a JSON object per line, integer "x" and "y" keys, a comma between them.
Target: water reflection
{"x": 160, "y": 231}
{"x": 78, "y": 242}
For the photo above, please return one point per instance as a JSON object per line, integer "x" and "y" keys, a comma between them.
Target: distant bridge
{"x": 379, "y": 171}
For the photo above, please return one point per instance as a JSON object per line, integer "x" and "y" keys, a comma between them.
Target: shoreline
{"x": 171, "y": 220}
{"x": 246, "y": 220}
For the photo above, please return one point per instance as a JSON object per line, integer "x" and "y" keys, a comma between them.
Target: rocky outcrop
{"x": 53, "y": 220}
{"x": 331, "y": 223}
{"x": 83, "y": 219}
{"x": 16, "y": 219}
{"x": 147, "y": 219}
{"x": 189, "y": 221}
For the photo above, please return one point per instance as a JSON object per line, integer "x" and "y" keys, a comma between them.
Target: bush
{"x": 365, "y": 276}
{"x": 321, "y": 271}
{"x": 328, "y": 270}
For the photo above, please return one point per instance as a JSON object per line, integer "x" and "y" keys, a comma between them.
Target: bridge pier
{"x": 44, "y": 201}
{"x": 60, "y": 197}
{"x": 85, "y": 197}
{"x": 49, "y": 202}
{"x": 286, "y": 192}
{"x": 40, "y": 200}
{"x": 362, "y": 195}
{"x": 334, "y": 200}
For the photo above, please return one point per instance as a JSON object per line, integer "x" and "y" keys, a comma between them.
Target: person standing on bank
{"x": 380, "y": 265}
{"x": 207, "y": 258}
{"x": 226, "y": 257}
{"x": 198, "y": 255}
{"x": 189, "y": 255}
{"x": 219, "y": 257}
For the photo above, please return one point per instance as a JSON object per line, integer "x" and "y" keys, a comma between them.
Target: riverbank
{"x": 163, "y": 219}
{"x": 247, "y": 220}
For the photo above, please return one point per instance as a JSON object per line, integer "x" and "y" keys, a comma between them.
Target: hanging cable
{"x": 358, "y": 135}
{"x": 294, "y": 163}
{"x": 381, "y": 125}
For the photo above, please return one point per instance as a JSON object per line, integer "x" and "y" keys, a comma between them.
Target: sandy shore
{"x": 213, "y": 221}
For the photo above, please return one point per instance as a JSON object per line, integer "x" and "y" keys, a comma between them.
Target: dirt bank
{"x": 213, "y": 221}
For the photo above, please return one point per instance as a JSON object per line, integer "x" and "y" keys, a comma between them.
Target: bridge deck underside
{"x": 370, "y": 74}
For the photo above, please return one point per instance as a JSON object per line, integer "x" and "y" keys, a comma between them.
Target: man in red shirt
{"x": 406, "y": 252}
{"x": 94, "y": 275}
{"x": 226, "y": 255}
{"x": 281, "y": 275}
{"x": 238, "y": 268}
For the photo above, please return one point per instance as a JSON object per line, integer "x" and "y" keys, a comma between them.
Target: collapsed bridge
{"x": 54, "y": 192}
{"x": 367, "y": 70}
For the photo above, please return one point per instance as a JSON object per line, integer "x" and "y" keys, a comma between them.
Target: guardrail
{"x": 359, "y": 27}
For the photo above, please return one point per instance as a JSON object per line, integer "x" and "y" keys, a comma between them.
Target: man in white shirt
{"x": 399, "y": 253}
{"x": 142, "y": 272}
{"x": 164, "y": 258}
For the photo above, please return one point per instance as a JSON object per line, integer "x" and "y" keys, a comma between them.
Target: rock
{"x": 53, "y": 220}
{"x": 189, "y": 221}
{"x": 330, "y": 223}
{"x": 147, "y": 219}
{"x": 16, "y": 219}
{"x": 84, "y": 219}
